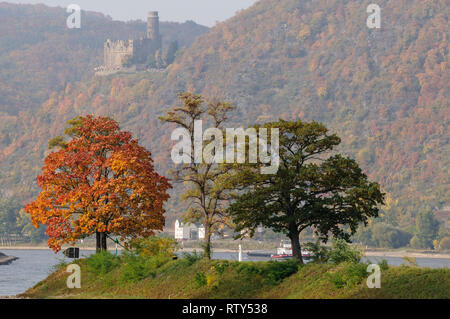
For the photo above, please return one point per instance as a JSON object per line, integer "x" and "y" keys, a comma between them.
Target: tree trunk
{"x": 100, "y": 242}
{"x": 97, "y": 242}
{"x": 104, "y": 248}
{"x": 207, "y": 243}
{"x": 295, "y": 242}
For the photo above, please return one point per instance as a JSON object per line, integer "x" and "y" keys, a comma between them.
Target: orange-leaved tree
{"x": 101, "y": 182}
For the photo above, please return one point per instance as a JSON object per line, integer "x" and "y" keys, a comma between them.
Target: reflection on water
{"x": 35, "y": 265}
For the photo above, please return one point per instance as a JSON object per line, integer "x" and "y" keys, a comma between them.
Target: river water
{"x": 35, "y": 265}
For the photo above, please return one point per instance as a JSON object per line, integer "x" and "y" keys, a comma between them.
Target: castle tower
{"x": 153, "y": 28}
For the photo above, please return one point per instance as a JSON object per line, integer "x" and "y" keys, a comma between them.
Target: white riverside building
{"x": 189, "y": 231}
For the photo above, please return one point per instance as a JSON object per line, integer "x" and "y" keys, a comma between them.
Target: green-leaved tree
{"x": 206, "y": 190}
{"x": 427, "y": 228}
{"x": 329, "y": 194}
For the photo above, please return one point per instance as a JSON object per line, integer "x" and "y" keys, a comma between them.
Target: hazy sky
{"x": 205, "y": 12}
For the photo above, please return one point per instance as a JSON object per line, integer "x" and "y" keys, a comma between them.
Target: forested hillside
{"x": 40, "y": 55}
{"x": 38, "y": 52}
{"x": 384, "y": 91}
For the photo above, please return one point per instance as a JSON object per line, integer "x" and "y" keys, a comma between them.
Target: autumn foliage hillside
{"x": 40, "y": 56}
{"x": 384, "y": 91}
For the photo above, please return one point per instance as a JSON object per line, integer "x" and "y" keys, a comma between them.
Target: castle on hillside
{"x": 118, "y": 54}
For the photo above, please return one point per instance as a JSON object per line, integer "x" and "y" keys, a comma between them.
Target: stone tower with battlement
{"x": 136, "y": 52}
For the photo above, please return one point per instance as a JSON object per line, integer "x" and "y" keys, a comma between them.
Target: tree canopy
{"x": 330, "y": 194}
{"x": 427, "y": 228}
{"x": 101, "y": 182}
{"x": 206, "y": 191}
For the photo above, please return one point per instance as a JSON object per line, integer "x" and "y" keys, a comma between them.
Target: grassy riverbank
{"x": 198, "y": 278}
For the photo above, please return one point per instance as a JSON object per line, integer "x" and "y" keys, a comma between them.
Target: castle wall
{"x": 143, "y": 48}
{"x": 116, "y": 52}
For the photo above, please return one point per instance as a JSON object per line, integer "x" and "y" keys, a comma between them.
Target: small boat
{"x": 285, "y": 251}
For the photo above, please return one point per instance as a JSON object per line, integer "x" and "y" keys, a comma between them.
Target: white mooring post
{"x": 240, "y": 253}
